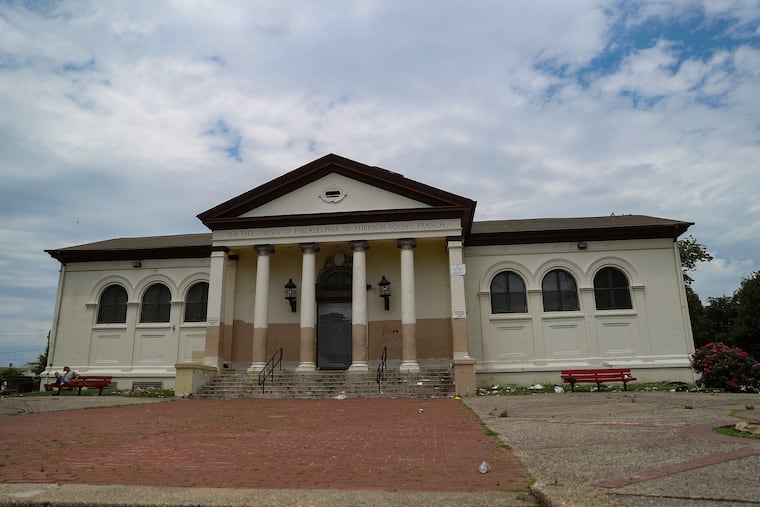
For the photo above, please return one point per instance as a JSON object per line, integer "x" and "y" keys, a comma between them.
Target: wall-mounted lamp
{"x": 385, "y": 291}
{"x": 582, "y": 245}
{"x": 290, "y": 294}
{"x": 136, "y": 264}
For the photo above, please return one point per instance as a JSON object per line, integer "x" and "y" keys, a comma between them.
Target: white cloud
{"x": 109, "y": 108}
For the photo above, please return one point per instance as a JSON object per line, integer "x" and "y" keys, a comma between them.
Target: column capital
{"x": 309, "y": 248}
{"x": 359, "y": 245}
{"x": 406, "y": 243}
{"x": 264, "y": 249}
{"x": 454, "y": 243}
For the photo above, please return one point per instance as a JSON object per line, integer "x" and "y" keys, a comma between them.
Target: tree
{"x": 42, "y": 358}
{"x": 10, "y": 371}
{"x": 697, "y": 316}
{"x": 692, "y": 253}
{"x": 745, "y": 329}
{"x": 718, "y": 320}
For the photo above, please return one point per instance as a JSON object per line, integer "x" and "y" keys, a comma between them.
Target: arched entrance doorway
{"x": 334, "y": 316}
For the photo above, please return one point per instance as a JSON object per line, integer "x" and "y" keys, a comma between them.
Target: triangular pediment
{"x": 334, "y": 193}
{"x": 334, "y": 189}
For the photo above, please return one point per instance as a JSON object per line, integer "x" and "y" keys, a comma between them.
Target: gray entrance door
{"x": 334, "y": 336}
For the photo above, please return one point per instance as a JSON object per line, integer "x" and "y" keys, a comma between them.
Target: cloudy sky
{"x": 130, "y": 118}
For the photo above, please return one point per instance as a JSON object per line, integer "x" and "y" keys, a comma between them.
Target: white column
{"x": 458, "y": 302}
{"x": 464, "y": 365}
{"x": 408, "y": 312}
{"x": 215, "y": 309}
{"x": 228, "y": 313}
{"x": 308, "y": 343}
{"x": 261, "y": 307}
{"x": 359, "y": 308}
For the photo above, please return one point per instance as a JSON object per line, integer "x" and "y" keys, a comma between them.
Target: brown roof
{"x": 548, "y": 230}
{"x": 150, "y": 247}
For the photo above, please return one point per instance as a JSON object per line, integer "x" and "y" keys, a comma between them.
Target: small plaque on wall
{"x": 457, "y": 270}
{"x": 212, "y": 322}
{"x": 459, "y": 314}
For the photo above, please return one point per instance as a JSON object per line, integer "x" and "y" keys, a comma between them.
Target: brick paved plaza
{"x": 352, "y": 444}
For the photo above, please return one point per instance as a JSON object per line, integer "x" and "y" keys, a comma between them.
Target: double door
{"x": 334, "y": 335}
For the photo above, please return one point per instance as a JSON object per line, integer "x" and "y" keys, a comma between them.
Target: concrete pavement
{"x": 631, "y": 448}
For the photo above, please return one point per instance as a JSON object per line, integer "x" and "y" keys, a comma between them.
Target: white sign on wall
{"x": 457, "y": 270}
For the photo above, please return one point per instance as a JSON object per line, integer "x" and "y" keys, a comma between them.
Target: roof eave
{"x": 65, "y": 256}
{"x": 671, "y": 231}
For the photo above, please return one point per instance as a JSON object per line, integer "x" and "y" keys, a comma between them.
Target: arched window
{"x": 559, "y": 291}
{"x": 112, "y": 307}
{"x": 156, "y": 304}
{"x": 508, "y": 293}
{"x": 611, "y": 290}
{"x": 196, "y": 303}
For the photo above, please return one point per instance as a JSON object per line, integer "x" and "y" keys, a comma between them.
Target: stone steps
{"x": 433, "y": 383}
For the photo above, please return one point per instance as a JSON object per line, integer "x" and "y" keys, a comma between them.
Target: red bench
{"x": 597, "y": 377}
{"x": 89, "y": 381}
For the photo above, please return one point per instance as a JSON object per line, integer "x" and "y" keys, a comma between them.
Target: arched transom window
{"x": 156, "y": 304}
{"x": 112, "y": 307}
{"x": 560, "y": 293}
{"x": 612, "y": 290}
{"x": 196, "y": 303}
{"x": 508, "y": 293}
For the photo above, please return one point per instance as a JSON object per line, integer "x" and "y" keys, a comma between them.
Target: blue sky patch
{"x": 690, "y": 36}
{"x": 231, "y": 139}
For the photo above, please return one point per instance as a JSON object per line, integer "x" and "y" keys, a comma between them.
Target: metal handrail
{"x": 381, "y": 367}
{"x": 271, "y": 365}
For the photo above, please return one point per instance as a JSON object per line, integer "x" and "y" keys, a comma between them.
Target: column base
{"x": 211, "y": 361}
{"x": 409, "y": 367}
{"x": 464, "y": 376}
{"x": 359, "y": 367}
{"x": 306, "y": 367}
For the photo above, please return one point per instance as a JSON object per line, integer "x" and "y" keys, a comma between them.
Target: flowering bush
{"x": 726, "y": 367}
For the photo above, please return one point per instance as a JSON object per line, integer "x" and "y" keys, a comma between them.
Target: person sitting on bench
{"x": 67, "y": 377}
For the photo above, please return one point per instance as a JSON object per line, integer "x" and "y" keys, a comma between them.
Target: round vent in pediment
{"x": 332, "y": 194}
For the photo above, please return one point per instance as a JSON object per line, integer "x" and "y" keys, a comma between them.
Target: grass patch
{"x": 128, "y": 393}
{"x": 148, "y": 393}
{"x": 515, "y": 390}
{"x": 733, "y": 432}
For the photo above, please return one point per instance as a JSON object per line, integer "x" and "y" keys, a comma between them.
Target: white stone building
{"x": 509, "y": 301}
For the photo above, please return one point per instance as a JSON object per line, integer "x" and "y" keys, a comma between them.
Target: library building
{"x": 338, "y": 266}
